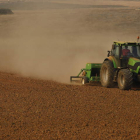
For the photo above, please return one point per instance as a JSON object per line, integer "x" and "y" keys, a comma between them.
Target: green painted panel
{"x": 93, "y": 65}
{"x": 133, "y": 67}
{"x": 92, "y": 69}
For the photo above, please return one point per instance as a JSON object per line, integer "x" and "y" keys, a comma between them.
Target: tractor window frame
{"x": 115, "y": 51}
{"x": 132, "y": 50}
{"x": 138, "y": 50}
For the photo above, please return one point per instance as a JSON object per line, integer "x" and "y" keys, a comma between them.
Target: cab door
{"x": 116, "y": 54}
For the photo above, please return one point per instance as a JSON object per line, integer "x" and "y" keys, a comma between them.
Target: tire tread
{"x": 109, "y": 65}
{"x": 128, "y": 79}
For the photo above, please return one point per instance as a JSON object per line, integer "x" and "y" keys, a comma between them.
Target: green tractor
{"x": 122, "y": 65}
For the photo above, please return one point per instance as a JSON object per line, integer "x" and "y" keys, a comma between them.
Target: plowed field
{"x": 37, "y": 109}
{"x": 50, "y": 40}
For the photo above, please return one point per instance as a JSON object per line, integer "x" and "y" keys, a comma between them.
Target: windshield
{"x": 131, "y": 51}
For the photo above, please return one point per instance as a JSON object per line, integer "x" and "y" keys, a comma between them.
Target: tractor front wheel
{"x": 125, "y": 79}
{"x": 107, "y": 74}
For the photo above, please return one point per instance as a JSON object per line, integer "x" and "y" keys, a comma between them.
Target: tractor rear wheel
{"x": 84, "y": 80}
{"x": 125, "y": 79}
{"x": 107, "y": 74}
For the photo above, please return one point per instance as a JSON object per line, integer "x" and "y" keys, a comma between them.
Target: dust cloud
{"x": 56, "y": 43}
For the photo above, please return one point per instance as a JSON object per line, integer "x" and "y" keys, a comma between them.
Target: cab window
{"x": 115, "y": 51}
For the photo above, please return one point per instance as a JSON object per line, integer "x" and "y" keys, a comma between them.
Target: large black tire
{"x": 85, "y": 80}
{"x": 125, "y": 79}
{"x": 107, "y": 74}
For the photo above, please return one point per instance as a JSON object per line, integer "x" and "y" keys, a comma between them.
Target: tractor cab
{"x": 122, "y": 51}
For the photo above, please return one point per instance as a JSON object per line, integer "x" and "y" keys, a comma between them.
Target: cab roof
{"x": 126, "y": 43}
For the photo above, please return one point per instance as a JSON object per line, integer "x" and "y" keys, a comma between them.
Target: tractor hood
{"x": 134, "y": 64}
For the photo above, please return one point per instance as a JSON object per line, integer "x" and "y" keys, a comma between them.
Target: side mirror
{"x": 108, "y": 53}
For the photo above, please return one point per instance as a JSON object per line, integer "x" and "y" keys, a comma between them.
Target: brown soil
{"x": 37, "y": 109}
